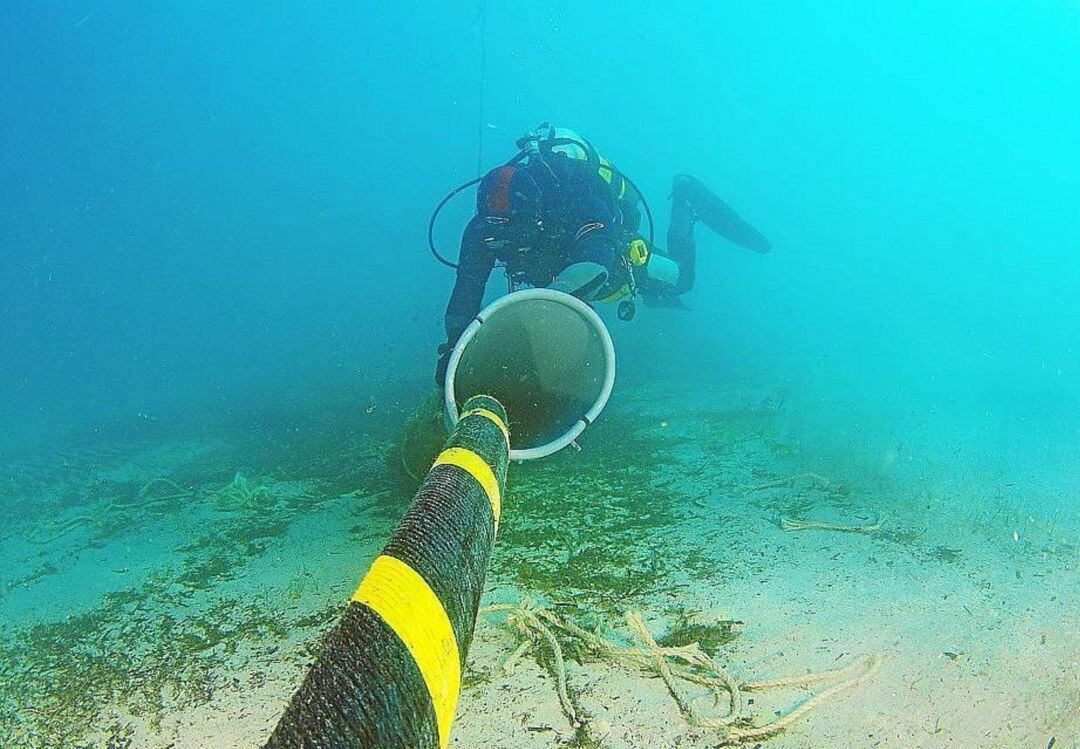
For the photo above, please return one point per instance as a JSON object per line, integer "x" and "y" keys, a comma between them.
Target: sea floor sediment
{"x": 169, "y": 591}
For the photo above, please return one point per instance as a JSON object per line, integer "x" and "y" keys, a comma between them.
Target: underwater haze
{"x": 219, "y": 309}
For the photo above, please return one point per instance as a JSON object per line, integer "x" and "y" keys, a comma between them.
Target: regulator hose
{"x": 450, "y": 196}
{"x": 435, "y": 215}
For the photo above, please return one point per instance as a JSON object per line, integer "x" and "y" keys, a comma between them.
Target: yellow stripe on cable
{"x": 404, "y": 600}
{"x": 475, "y": 466}
{"x": 492, "y": 417}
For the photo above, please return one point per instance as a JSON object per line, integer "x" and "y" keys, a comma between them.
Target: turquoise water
{"x": 219, "y": 310}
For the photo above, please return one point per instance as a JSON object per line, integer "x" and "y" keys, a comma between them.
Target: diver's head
{"x": 548, "y": 138}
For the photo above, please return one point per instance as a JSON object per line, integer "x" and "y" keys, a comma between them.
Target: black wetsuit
{"x": 542, "y": 216}
{"x": 537, "y": 219}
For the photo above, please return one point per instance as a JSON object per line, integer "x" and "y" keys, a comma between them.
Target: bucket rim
{"x": 551, "y": 295}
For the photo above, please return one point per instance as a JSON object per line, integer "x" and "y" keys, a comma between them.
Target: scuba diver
{"x": 562, "y": 216}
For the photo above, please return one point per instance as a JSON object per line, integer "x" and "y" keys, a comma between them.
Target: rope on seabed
{"x": 691, "y": 664}
{"x": 791, "y": 524}
{"x": 857, "y": 672}
{"x": 103, "y": 508}
{"x": 816, "y": 478}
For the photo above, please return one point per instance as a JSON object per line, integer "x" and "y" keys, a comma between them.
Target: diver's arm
{"x": 474, "y": 266}
{"x": 595, "y": 222}
{"x": 598, "y": 244}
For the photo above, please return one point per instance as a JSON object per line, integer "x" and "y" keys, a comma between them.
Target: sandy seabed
{"x": 183, "y": 614}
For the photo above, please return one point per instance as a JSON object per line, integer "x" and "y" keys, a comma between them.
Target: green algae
{"x": 944, "y": 554}
{"x": 581, "y": 526}
{"x": 687, "y": 629}
{"x": 135, "y": 655}
{"x": 475, "y": 677}
{"x": 323, "y": 617}
{"x": 179, "y": 638}
{"x": 30, "y": 578}
{"x": 590, "y": 530}
{"x": 595, "y": 529}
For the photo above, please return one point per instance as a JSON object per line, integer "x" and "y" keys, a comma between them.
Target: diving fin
{"x": 717, "y": 215}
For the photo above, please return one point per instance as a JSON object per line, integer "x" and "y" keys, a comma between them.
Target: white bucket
{"x": 546, "y": 356}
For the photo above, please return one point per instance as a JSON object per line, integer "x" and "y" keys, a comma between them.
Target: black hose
{"x": 371, "y": 687}
{"x": 644, "y": 204}
{"x": 435, "y": 214}
{"x": 450, "y": 196}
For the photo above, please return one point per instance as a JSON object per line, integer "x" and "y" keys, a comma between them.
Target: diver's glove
{"x": 441, "y": 365}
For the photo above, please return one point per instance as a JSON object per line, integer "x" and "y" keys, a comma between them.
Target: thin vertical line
{"x": 481, "y": 14}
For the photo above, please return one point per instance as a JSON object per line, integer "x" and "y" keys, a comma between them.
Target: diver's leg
{"x": 682, "y": 248}
{"x": 716, "y": 214}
